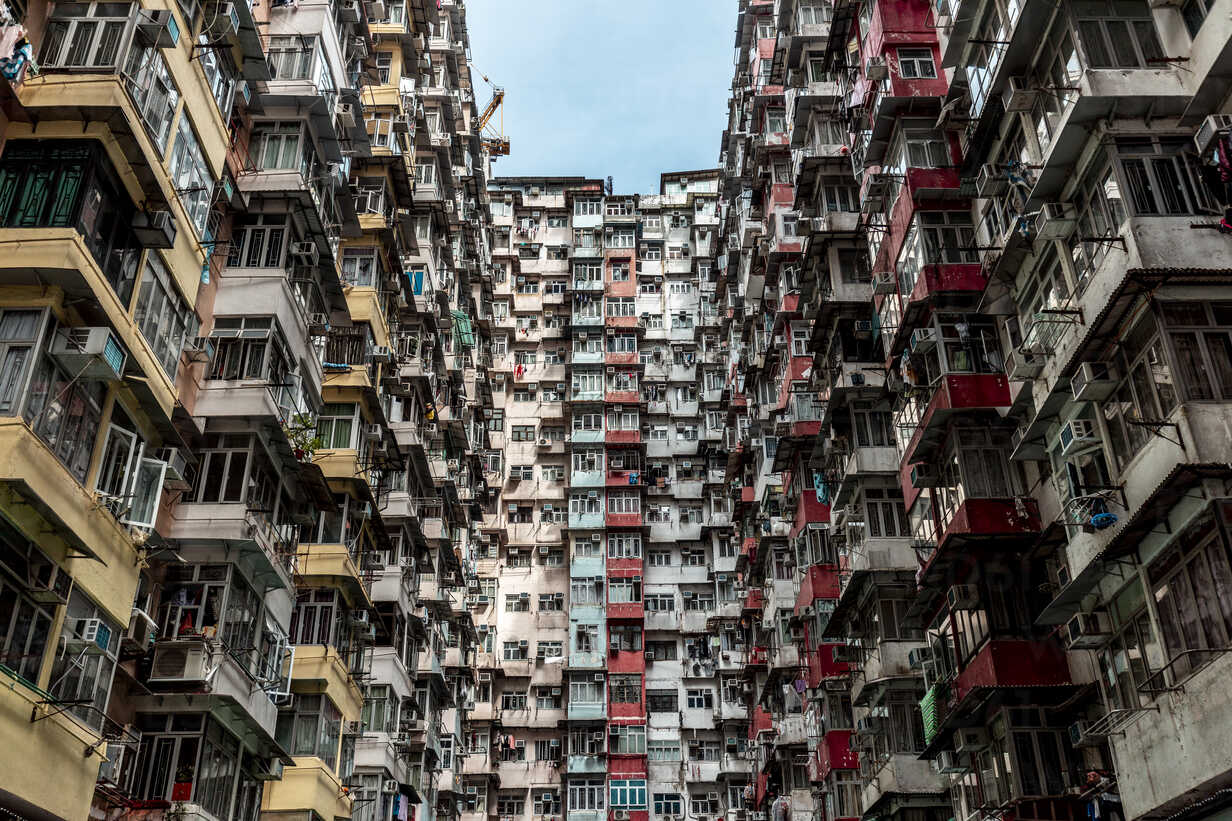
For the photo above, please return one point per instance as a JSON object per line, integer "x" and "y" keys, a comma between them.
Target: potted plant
{"x": 301, "y": 432}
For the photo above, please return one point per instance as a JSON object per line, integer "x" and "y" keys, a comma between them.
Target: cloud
{"x": 626, "y": 88}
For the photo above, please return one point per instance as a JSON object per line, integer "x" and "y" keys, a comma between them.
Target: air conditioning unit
{"x": 923, "y": 339}
{"x": 318, "y": 324}
{"x": 883, "y": 282}
{"x": 157, "y": 29}
{"x": 350, "y": 11}
{"x": 49, "y": 584}
{"x": 1087, "y": 631}
{"x": 876, "y": 70}
{"x": 352, "y": 728}
{"x": 1078, "y": 436}
{"x": 620, "y": 815}
{"x": 918, "y": 656}
{"x": 175, "y": 478}
{"x": 346, "y": 111}
{"x": 970, "y": 740}
{"x": 1023, "y": 365}
{"x": 179, "y": 661}
{"x": 1080, "y": 735}
{"x": 598, "y": 677}
{"x": 305, "y": 252}
{"x": 925, "y": 475}
{"x": 950, "y": 763}
{"x": 112, "y": 771}
{"x": 1019, "y": 96}
{"x": 1211, "y": 127}
{"x": 863, "y": 328}
{"x": 141, "y": 630}
{"x": 90, "y": 353}
{"x": 1055, "y": 220}
{"x": 372, "y": 432}
{"x": 382, "y": 353}
{"x": 155, "y": 229}
{"x": 963, "y": 597}
{"x": 389, "y": 785}
{"x": 992, "y": 181}
{"x": 1093, "y": 382}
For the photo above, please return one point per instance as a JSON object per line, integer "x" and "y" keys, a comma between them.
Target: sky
{"x": 622, "y": 88}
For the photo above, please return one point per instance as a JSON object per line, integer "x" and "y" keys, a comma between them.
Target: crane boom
{"x": 498, "y": 95}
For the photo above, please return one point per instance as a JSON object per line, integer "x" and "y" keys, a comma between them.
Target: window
{"x": 517, "y": 602}
{"x": 626, "y": 689}
{"x": 626, "y": 638}
{"x": 549, "y": 649}
{"x": 916, "y": 63}
{"x": 666, "y": 803}
{"x": 523, "y": 433}
{"x": 1118, "y": 34}
{"x": 165, "y": 319}
{"x": 191, "y": 176}
{"x": 515, "y": 650}
{"x": 624, "y": 503}
{"x": 1100, "y": 206}
{"x": 662, "y": 650}
{"x": 551, "y": 603}
{"x": 280, "y": 146}
{"x": 701, "y": 699}
{"x": 662, "y": 701}
{"x": 625, "y": 590}
{"x": 621, "y": 306}
{"x": 185, "y": 754}
{"x": 586, "y": 793}
{"x": 625, "y": 545}
{"x": 129, "y": 482}
{"x": 1191, "y": 584}
{"x": 72, "y": 184}
{"x": 547, "y": 803}
{"x": 628, "y": 792}
{"x": 585, "y": 207}
{"x": 380, "y": 711}
{"x": 337, "y": 424}
{"x": 627, "y": 739}
{"x": 311, "y": 725}
{"x": 258, "y": 241}
{"x": 513, "y": 701}
{"x": 1161, "y": 176}
{"x": 1194, "y": 12}
{"x": 586, "y": 590}
{"x": 583, "y": 689}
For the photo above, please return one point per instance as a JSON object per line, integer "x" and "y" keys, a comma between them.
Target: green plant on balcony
{"x": 301, "y": 432}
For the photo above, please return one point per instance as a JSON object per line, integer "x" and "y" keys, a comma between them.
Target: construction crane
{"x": 494, "y": 140}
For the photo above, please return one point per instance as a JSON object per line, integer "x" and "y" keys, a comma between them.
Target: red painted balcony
{"x": 622, "y": 397}
{"x": 834, "y": 753}
{"x": 822, "y": 666}
{"x": 623, "y": 520}
{"x": 1014, "y": 663}
{"x": 629, "y": 322}
{"x": 819, "y": 582}
{"x": 761, "y": 722}
{"x": 610, "y": 358}
{"x": 955, "y": 392}
{"x": 622, "y": 437}
{"x": 808, "y": 509}
{"x": 755, "y": 600}
{"x": 626, "y": 661}
{"x": 935, "y": 280}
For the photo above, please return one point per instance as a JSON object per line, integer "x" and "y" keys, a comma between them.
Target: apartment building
{"x": 245, "y": 382}
{"x": 991, "y": 235}
{"x": 609, "y": 655}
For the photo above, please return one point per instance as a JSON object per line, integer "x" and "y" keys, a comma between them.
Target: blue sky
{"x": 626, "y": 88}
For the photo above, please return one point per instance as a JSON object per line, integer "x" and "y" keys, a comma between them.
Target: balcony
{"x": 834, "y": 753}
{"x": 46, "y": 741}
{"x": 586, "y": 521}
{"x": 900, "y": 773}
{"x": 586, "y": 765}
{"x": 308, "y": 788}
{"x": 587, "y": 711}
{"x": 949, "y": 394}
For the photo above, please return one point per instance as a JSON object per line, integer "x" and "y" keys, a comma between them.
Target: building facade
{"x": 971, "y": 268}
{"x": 245, "y": 389}
{"x": 609, "y": 657}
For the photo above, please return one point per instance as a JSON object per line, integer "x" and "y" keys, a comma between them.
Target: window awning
{"x": 462, "y": 327}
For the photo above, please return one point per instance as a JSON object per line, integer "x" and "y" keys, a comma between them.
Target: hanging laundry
{"x": 17, "y": 57}
{"x": 801, "y": 686}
